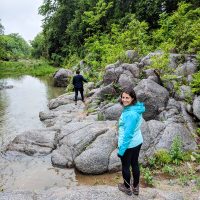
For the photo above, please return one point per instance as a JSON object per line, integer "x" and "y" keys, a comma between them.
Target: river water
{"x": 20, "y": 105}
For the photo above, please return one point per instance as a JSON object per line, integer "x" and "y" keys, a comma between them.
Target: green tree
{"x": 1, "y": 28}
{"x": 13, "y": 47}
{"x": 38, "y": 46}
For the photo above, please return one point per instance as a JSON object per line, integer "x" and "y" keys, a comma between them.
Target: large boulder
{"x": 196, "y": 107}
{"x": 105, "y": 92}
{"x": 112, "y": 73}
{"x": 73, "y": 140}
{"x": 187, "y": 68}
{"x": 112, "y": 112}
{"x": 62, "y": 77}
{"x": 95, "y": 159}
{"x": 35, "y": 142}
{"x": 174, "y": 130}
{"x": 153, "y": 95}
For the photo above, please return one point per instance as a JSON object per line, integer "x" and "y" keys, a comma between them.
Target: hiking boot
{"x": 75, "y": 102}
{"x": 135, "y": 190}
{"x": 124, "y": 189}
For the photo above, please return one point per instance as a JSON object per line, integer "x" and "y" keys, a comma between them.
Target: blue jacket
{"x": 129, "y": 127}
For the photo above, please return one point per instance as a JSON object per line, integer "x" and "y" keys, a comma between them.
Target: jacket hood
{"x": 138, "y": 107}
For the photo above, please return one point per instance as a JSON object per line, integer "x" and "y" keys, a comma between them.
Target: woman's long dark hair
{"x": 131, "y": 93}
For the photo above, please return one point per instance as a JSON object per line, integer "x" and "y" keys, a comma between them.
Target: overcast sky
{"x": 21, "y": 16}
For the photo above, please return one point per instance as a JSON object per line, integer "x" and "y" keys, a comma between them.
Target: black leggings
{"x": 76, "y": 93}
{"x": 130, "y": 158}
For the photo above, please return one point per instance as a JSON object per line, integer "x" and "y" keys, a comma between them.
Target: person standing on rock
{"x": 130, "y": 140}
{"x": 78, "y": 80}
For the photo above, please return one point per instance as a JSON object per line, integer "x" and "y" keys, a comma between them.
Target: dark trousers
{"x": 130, "y": 158}
{"x": 76, "y": 93}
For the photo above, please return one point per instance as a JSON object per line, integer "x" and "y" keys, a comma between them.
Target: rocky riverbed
{"x": 84, "y": 136}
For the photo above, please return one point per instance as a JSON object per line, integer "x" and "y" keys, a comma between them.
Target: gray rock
{"x": 61, "y": 100}
{"x": 2, "y": 87}
{"x": 186, "y": 69}
{"x": 127, "y": 80}
{"x": 176, "y": 129}
{"x": 95, "y": 159}
{"x": 17, "y": 195}
{"x": 114, "y": 162}
{"x": 196, "y": 107}
{"x": 147, "y": 59}
{"x": 132, "y": 55}
{"x": 62, "y": 77}
{"x": 112, "y": 74}
{"x": 89, "y": 193}
{"x": 175, "y": 60}
{"x": 112, "y": 113}
{"x": 34, "y": 142}
{"x": 105, "y": 92}
{"x": 132, "y": 68}
{"x": 73, "y": 141}
{"x": 185, "y": 93}
{"x": 153, "y": 95}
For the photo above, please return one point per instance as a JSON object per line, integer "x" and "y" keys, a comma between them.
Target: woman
{"x": 130, "y": 140}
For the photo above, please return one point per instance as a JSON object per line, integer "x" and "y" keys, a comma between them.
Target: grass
{"x": 25, "y": 67}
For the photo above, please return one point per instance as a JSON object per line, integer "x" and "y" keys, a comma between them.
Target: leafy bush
{"x": 162, "y": 157}
{"x": 148, "y": 178}
{"x": 102, "y": 49}
{"x": 181, "y": 28}
{"x": 195, "y": 84}
{"x": 176, "y": 151}
{"x": 168, "y": 169}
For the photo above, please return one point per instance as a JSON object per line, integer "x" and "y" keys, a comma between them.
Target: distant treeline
{"x": 99, "y": 31}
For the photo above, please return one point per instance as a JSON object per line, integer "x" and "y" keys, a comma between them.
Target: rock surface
{"x": 89, "y": 193}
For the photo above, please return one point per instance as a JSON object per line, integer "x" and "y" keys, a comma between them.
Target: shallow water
{"x": 20, "y": 105}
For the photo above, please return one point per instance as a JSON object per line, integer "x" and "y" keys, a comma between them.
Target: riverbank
{"x": 25, "y": 66}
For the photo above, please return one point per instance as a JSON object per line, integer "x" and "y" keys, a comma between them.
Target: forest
{"x": 100, "y": 31}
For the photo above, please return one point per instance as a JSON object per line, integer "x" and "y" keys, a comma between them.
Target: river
{"x": 20, "y": 105}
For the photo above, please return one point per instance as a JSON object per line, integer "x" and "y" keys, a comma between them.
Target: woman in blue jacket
{"x": 130, "y": 140}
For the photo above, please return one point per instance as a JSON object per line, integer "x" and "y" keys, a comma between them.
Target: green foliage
{"x": 93, "y": 18}
{"x": 148, "y": 178}
{"x": 161, "y": 62}
{"x": 198, "y": 131}
{"x": 31, "y": 67}
{"x": 176, "y": 151}
{"x": 104, "y": 49}
{"x": 162, "y": 157}
{"x": 38, "y": 46}
{"x": 170, "y": 170}
{"x": 181, "y": 28}
{"x": 13, "y": 47}
{"x": 195, "y": 84}
{"x": 1, "y": 28}
{"x": 100, "y": 116}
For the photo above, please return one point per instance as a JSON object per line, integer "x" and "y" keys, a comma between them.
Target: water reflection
{"x": 20, "y": 106}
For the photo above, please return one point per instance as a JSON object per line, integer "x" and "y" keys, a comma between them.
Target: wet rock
{"x": 34, "y": 142}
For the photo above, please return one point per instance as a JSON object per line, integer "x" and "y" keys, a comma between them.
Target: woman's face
{"x": 126, "y": 99}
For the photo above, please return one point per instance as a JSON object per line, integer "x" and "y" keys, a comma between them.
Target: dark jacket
{"x": 78, "y": 81}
